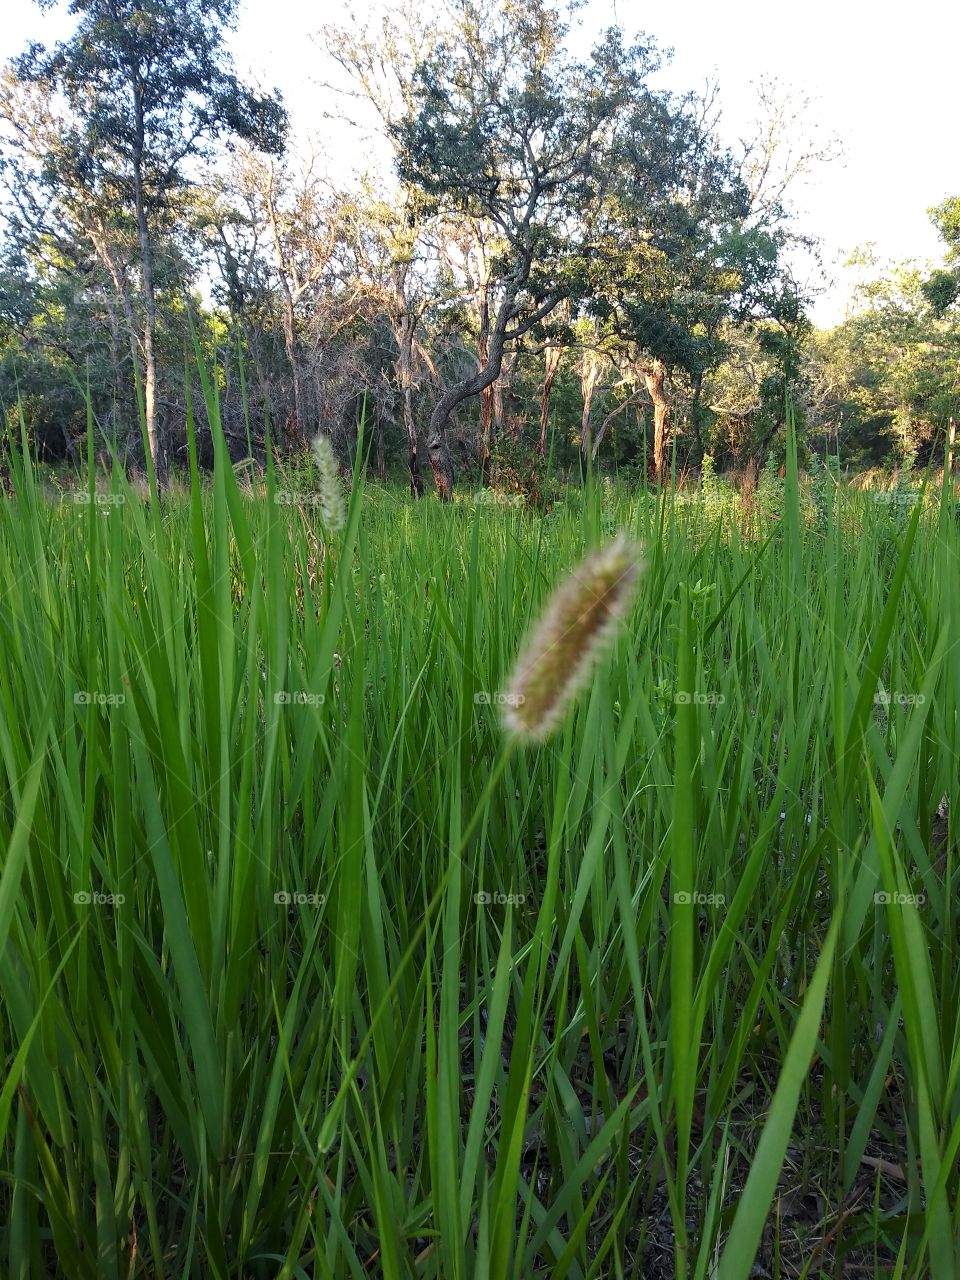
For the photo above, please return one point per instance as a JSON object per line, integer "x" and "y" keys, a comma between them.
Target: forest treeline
{"x": 545, "y": 254}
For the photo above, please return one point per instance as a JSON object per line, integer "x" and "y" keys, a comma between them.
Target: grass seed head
{"x": 332, "y": 506}
{"x": 565, "y": 645}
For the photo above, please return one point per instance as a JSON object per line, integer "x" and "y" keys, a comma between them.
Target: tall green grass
{"x": 625, "y": 1004}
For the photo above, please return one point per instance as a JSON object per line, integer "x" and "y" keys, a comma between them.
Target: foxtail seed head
{"x": 331, "y": 494}
{"x": 562, "y": 649}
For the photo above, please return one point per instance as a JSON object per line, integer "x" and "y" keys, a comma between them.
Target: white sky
{"x": 884, "y": 77}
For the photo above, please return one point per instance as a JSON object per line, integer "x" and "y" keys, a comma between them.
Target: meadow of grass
{"x": 307, "y": 970}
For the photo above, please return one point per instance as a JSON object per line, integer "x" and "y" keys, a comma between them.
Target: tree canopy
{"x": 563, "y": 256}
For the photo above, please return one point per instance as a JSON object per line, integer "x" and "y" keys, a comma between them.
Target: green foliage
{"x": 517, "y": 470}
{"x": 150, "y": 75}
{"x": 888, "y": 374}
{"x": 770, "y": 488}
{"x": 678, "y": 252}
{"x": 101, "y": 140}
{"x": 712, "y": 489}
{"x": 946, "y": 218}
{"x": 941, "y": 290}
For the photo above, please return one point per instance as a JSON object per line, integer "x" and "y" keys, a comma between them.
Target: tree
{"x": 149, "y": 87}
{"x": 890, "y": 369}
{"x": 395, "y": 265}
{"x": 391, "y": 229}
{"x": 552, "y": 359}
{"x": 282, "y": 241}
{"x": 53, "y": 324}
{"x": 512, "y": 131}
{"x": 677, "y": 254}
{"x": 942, "y": 289}
{"x": 62, "y": 224}
{"x": 785, "y": 146}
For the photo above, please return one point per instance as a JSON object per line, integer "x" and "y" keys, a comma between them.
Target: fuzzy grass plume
{"x": 332, "y": 506}
{"x": 562, "y": 649}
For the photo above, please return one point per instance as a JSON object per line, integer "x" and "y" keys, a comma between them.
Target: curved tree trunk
{"x": 486, "y": 433}
{"x": 438, "y": 450}
{"x": 605, "y": 424}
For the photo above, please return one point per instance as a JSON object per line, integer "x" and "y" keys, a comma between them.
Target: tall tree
{"x": 379, "y": 63}
{"x": 58, "y": 216}
{"x": 679, "y": 252}
{"x": 513, "y": 131}
{"x": 150, "y": 87}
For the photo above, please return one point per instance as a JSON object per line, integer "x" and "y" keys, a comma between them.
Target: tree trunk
{"x": 154, "y": 443}
{"x": 486, "y": 432}
{"x": 404, "y": 328}
{"x": 413, "y": 457}
{"x": 121, "y": 288}
{"x": 589, "y": 377}
{"x": 486, "y": 395}
{"x": 438, "y": 450}
{"x": 291, "y": 286}
{"x": 764, "y": 445}
{"x": 551, "y": 365}
{"x": 654, "y": 379}
{"x": 290, "y": 344}
{"x": 605, "y": 424}
{"x": 696, "y": 408}
{"x": 500, "y": 418}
